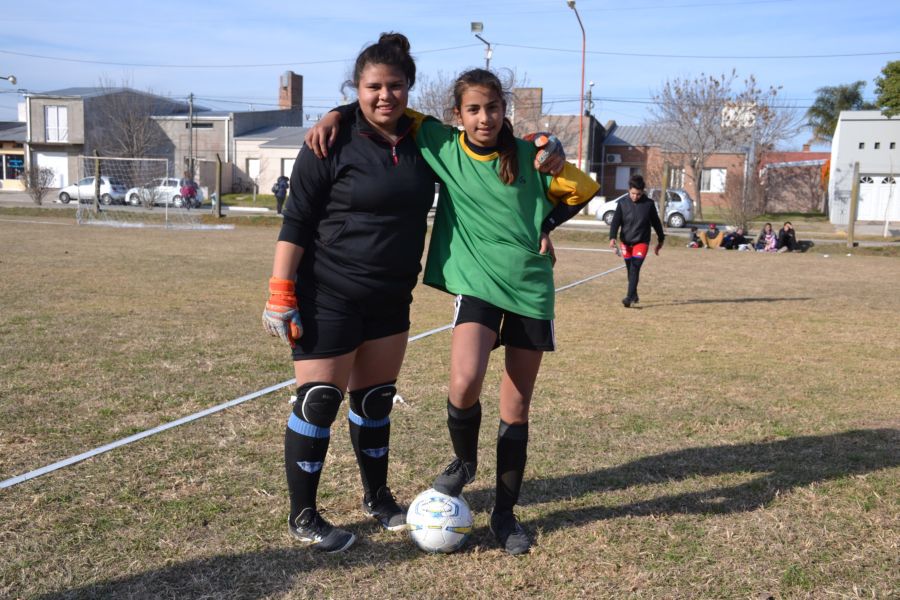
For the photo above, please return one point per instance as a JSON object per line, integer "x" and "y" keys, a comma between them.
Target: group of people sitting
{"x": 767, "y": 241}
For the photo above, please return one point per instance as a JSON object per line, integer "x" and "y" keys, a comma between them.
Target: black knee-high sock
{"x": 464, "y": 425}
{"x": 305, "y": 446}
{"x": 371, "y": 440}
{"x": 634, "y": 274}
{"x": 512, "y": 454}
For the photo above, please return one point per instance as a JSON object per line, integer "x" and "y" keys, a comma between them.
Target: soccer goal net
{"x": 135, "y": 192}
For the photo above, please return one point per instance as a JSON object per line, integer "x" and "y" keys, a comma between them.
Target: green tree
{"x": 888, "y": 89}
{"x": 822, "y": 116}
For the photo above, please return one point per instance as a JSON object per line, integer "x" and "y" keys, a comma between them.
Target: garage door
{"x": 59, "y": 162}
{"x": 878, "y": 198}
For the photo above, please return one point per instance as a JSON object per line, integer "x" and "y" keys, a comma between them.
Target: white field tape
{"x": 209, "y": 411}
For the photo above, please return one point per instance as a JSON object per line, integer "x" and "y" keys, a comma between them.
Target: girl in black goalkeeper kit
{"x": 352, "y": 239}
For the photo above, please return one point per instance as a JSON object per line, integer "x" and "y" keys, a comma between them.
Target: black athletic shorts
{"x": 513, "y": 330}
{"x": 334, "y": 325}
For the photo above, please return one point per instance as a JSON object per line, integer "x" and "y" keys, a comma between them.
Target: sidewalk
{"x": 837, "y": 236}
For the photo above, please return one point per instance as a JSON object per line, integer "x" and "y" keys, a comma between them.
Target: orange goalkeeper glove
{"x": 281, "y": 318}
{"x": 549, "y": 147}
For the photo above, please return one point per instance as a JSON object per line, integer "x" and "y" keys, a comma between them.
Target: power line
{"x": 701, "y": 56}
{"x": 183, "y": 66}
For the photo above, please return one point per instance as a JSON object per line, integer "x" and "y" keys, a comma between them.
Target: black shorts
{"x": 334, "y": 325}
{"x": 513, "y": 330}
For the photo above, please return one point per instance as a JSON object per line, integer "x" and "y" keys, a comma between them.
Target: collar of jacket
{"x": 404, "y": 126}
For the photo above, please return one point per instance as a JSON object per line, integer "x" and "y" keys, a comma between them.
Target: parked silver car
{"x": 163, "y": 190}
{"x": 679, "y": 206}
{"x": 111, "y": 190}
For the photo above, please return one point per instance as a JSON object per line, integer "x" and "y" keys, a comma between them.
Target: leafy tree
{"x": 822, "y": 116}
{"x": 888, "y": 89}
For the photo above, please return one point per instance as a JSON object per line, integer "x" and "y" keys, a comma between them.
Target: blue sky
{"x": 230, "y": 54}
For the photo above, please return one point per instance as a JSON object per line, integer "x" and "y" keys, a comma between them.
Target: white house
{"x": 873, "y": 140}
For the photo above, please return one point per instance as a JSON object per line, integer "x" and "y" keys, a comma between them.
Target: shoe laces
{"x": 454, "y": 466}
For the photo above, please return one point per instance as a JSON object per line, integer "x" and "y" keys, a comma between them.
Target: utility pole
{"x": 854, "y": 203}
{"x": 191, "y": 133}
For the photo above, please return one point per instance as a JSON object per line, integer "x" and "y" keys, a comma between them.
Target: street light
{"x": 590, "y": 111}
{"x": 571, "y": 4}
{"x": 9, "y": 78}
{"x": 478, "y": 27}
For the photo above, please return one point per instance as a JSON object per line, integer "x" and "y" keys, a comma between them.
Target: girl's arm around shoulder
{"x": 429, "y": 131}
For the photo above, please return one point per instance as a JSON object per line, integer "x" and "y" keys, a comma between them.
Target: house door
{"x": 59, "y": 162}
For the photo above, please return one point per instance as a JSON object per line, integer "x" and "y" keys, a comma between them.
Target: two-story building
{"x": 63, "y": 125}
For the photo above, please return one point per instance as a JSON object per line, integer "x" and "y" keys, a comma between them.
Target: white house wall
{"x": 878, "y": 167}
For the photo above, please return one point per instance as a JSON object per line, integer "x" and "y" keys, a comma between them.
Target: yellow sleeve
{"x": 417, "y": 117}
{"x": 572, "y": 186}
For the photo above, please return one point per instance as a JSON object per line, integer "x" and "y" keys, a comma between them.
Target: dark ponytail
{"x": 392, "y": 49}
{"x": 506, "y": 141}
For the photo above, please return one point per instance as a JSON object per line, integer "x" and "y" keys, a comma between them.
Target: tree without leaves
{"x": 38, "y": 181}
{"x": 822, "y": 116}
{"x": 714, "y": 114}
{"x": 888, "y": 89}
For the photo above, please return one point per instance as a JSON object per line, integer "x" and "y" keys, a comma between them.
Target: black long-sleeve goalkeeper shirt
{"x": 360, "y": 213}
{"x": 633, "y": 220}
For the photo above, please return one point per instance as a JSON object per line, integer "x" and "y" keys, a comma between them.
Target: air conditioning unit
{"x": 612, "y": 159}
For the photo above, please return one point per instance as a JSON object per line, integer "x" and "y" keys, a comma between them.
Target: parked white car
{"x": 679, "y": 207}
{"x": 163, "y": 190}
{"x": 111, "y": 190}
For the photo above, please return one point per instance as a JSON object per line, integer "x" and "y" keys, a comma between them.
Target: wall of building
{"x": 866, "y": 127}
{"x": 74, "y": 119}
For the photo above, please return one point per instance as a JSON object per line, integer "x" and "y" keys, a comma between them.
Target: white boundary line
{"x": 212, "y": 410}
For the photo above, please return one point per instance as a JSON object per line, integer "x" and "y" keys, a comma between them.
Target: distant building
{"x": 12, "y": 154}
{"x": 871, "y": 139}
{"x": 62, "y": 125}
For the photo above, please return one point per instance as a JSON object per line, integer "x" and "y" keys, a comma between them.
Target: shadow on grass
{"x": 722, "y": 301}
{"x": 780, "y": 465}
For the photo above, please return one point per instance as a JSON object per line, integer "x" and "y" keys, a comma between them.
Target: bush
{"x": 38, "y": 181}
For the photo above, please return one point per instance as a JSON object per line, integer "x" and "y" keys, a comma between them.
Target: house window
{"x": 287, "y": 166}
{"x": 862, "y": 145}
{"x": 56, "y": 123}
{"x": 198, "y": 126}
{"x": 676, "y": 178}
{"x": 253, "y": 168}
{"x": 713, "y": 180}
{"x": 11, "y": 166}
{"x": 877, "y": 145}
{"x": 889, "y": 181}
{"x": 893, "y": 145}
{"x": 623, "y": 174}
{"x": 866, "y": 179}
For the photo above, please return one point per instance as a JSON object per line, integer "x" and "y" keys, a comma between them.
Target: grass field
{"x": 736, "y": 437}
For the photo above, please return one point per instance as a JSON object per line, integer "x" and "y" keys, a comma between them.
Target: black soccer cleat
{"x": 511, "y": 535}
{"x": 457, "y": 474}
{"x": 626, "y": 301}
{"x": 311, "y": 529}
{"x": 384, "y": 508}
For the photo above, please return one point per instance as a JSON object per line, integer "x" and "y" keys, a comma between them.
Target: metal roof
{"x": 13, "y": 131}
{"x": 654, "y": 134}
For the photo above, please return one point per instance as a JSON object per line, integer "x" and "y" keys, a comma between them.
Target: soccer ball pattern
{"x": 439, "y": 523}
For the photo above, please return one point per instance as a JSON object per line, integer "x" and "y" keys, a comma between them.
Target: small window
{"x": 862, "y": 145}
{"x": 866, "y": 179}
{"x": 893, "y": 145}
{"x": 877, "y": 145}
{"x": 888, "y": 181}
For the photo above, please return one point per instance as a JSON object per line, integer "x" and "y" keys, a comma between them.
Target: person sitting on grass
{"x": 767, "y": 239}
{"x": 712, "y": 237}
{"x": 736, "y": 240}
{"x": 695, "y": 239}
{"x": 787, "y": 239}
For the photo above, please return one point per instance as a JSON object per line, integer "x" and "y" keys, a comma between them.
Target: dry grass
{"x": 737, "y": 437}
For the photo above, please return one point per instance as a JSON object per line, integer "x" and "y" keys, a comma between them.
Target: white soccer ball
{"x": 438, "y": 522}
